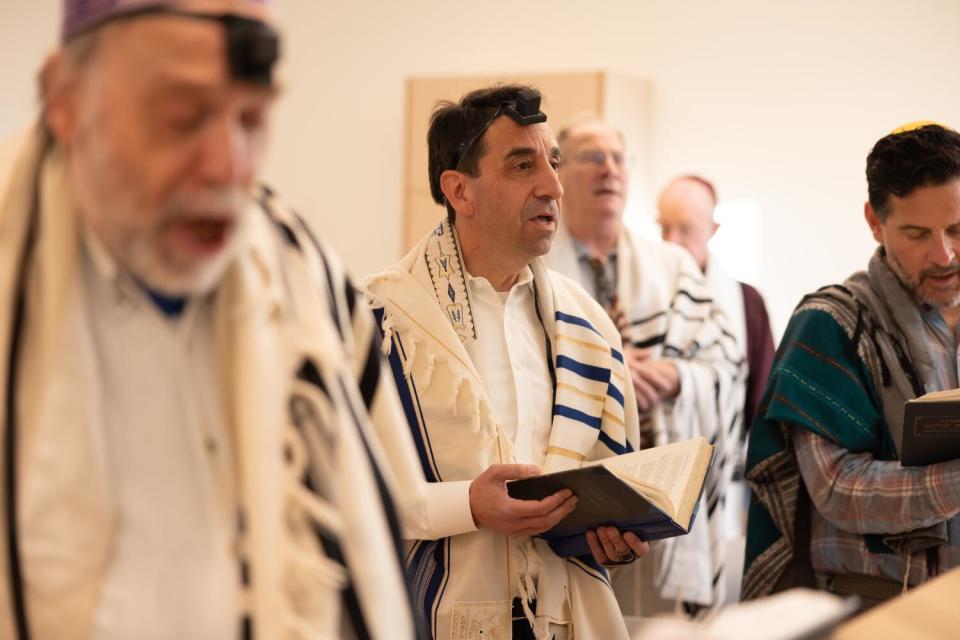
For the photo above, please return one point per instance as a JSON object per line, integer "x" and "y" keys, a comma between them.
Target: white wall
{"x": 777, "y": 102}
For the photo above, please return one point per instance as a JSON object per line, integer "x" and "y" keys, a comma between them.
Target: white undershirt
{"x": 173, "y": 572}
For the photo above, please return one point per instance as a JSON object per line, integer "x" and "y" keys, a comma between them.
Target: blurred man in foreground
{"x": 187, "y": 451}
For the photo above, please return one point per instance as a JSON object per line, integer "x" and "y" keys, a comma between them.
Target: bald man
{"x": 685, "y": 366}
{"x": 686, "y": 206}
{"x": 686, "y": 209}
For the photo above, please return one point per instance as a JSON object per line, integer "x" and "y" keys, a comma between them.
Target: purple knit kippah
{"x": 80, "y": 15}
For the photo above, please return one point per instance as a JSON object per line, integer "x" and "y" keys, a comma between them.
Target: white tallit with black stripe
{"x": 466, "y": 580}
{"x": 317, "y": 539}
{"x": 671, "y": 313}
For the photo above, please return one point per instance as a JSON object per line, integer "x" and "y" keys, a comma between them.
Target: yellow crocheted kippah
{"x": 910, "y": 126}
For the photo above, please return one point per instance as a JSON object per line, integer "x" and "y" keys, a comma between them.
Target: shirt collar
{"x": 524, "y": 279}
{"x": 124, "y": 285}
{"x": 584, "y": 254}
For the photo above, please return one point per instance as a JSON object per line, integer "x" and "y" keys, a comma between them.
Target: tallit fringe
{"x": 465, "y": 399}
{"x": 431, "y": 365}
{"x": 525, "y": 586}
{"x": 305, "y": 568}
{"x": 390, "y": 323}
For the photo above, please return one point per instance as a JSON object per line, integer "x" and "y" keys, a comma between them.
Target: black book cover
{"x": 931, "y": 432}
{"x": 603, "y": 499}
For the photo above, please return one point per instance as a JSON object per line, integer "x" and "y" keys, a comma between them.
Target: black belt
{"x": 521, "y": 628}
{"x": 517, "y": 612}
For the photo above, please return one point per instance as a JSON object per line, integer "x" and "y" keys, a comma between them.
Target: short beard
{"x": 915, "y": 285}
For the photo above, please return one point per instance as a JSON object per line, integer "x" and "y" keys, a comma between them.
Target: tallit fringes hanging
{"x": 411, "y": 354}
{"x": 428, "y": 372}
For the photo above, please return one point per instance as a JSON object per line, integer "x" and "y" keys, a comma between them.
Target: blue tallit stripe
{"x": 579, "y": 416}
{"x": 410, "y": 408}
{"x": 584, "y": 370}
{"x": 614, "y": 393}
{"x": 589, "y": 566}
{"x": 613, "y": 445}
{"x": 565, "y": 317}
{"x": 428, "y": 576}
{"x": 617, "y": 355}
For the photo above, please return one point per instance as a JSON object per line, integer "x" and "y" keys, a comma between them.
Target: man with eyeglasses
{"x": 686, "y": 368}
{"x": 505, "y": 369}
{"x": 190, "y": 383}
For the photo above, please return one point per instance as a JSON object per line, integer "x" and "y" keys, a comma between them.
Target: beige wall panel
{"x": 627, "y": 105}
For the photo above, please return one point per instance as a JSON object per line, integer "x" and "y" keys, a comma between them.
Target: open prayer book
{"x": 931, "y": 429}
{"x": 654, "y": 493}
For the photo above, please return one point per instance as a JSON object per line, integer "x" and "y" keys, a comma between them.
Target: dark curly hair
{"x": 899, "y": 163}
{"x": 453, "y": 124}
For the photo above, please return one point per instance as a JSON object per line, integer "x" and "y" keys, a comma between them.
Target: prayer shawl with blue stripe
{"x": 465, "y": 581}
{"x": 670, "y": 313}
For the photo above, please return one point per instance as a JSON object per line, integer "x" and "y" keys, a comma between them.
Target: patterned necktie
{"x": 603, "y": 283}
{"x": 606, "y": 291}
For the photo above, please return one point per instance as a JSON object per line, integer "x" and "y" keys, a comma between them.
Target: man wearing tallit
{"x": 504, "y": 368}
{"x": 687, "y": 368}
{"x": 188, "y": 452}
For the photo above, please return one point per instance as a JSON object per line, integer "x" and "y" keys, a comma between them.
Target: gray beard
{"x": 915, "y": 288}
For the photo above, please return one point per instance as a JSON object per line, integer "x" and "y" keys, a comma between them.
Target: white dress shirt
{"x": 511, "y": 356}
{"x": 173, "y": 572}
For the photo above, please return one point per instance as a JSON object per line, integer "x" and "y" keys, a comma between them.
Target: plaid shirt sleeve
{"x": 860, "y": 494}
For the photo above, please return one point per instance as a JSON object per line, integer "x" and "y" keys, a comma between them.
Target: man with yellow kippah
{"x": 834, "y": 507}
{"x": 192, "y": 408}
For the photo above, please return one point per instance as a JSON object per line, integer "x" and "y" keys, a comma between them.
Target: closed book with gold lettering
{"x": 931, "y": 429}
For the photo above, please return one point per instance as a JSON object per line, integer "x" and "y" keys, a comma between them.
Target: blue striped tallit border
{"x": 613, "y": 445}
{"x": 569, "y": 319}
{"x": 574, "y": 414}
{"x": 614, "y": 393}
{"x": 428, "y": 571}
{"x": 411, "y": 406}
{"x": 589, "y": 566}
{"x": 587, "y": 371}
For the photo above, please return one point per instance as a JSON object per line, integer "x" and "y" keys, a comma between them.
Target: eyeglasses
{"x": 599, "y": 158}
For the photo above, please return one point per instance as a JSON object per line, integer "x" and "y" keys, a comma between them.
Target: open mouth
{"x": 942, "y": 281}
{"x": 202, "y": 236}
{"x": 546, "y": 218}
{"x": 941, "y": 277}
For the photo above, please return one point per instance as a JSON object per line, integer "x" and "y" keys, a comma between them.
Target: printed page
{"x": 666, "y": 469}
{"x": 935, "y": 396}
